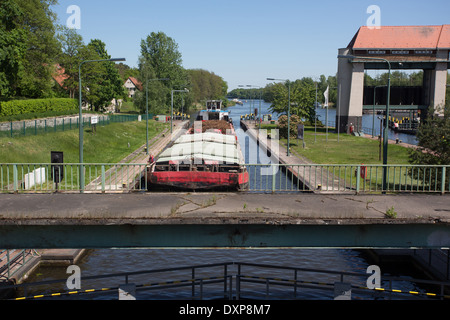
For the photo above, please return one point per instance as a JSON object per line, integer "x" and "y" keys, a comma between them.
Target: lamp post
{"x": 373, "y": 110}
{"x": 260, "y": 98}
{"x": 171, "y": 112}
{"x": 385, "y": 137}
{"x": 146, "y": 108}
{"x": 81, "y": 116}
{"x": 289, "y": 111}
{"x": 315, "y": 116}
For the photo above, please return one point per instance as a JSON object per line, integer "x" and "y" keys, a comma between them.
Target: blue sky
{"x": 245, "y": 41}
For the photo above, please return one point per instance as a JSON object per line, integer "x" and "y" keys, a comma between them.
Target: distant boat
{"x": 237, "y": 101}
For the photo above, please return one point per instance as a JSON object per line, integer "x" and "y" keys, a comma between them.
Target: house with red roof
{"x": 132, "y": 85}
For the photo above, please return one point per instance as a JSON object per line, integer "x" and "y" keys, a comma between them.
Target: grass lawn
{"x": 108, "y": 145}
{"x": 353, "y": 151}
{"x": 348, "y": 150}
{"x": 128, "y": 107}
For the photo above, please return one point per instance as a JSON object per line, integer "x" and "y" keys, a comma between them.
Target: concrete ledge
{"x": 220, "y": 208}
{"x": 60, "y": 257}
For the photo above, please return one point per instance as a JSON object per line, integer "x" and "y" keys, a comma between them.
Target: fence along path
{"x": 124, "y": 178}
{"x": 57, "y": 124}
{"x": 312, "y": 177}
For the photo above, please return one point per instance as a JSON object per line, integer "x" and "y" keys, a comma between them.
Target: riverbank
{"x": 108, "y": 144}
{"x": 327, "y": 147}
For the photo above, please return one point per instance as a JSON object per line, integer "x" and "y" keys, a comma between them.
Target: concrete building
{"x": 406, "y": 48}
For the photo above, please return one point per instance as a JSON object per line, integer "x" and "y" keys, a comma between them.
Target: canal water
{"x": 111, "y": 261}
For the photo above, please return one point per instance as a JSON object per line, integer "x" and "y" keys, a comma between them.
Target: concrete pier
{"x": 44, "y": 257}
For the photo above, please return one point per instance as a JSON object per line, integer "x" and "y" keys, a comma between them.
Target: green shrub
{"x": 16, "y": 107}
{"x": 283, "y": 125}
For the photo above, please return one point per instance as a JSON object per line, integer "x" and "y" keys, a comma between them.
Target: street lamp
{"x": 260, "y": 98}
{"x": 81, "y": 116}
{"x": 385, "y": 138}
{"x": 146, "y": 108}
{"x": 373, "y": 110}
{"x": 289, "y": 111}
{"x": 171, "y": 112}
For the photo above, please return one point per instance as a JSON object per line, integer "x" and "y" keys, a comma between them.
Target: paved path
{"x": 220, "y": 208}
{"x": 124, "y": 179}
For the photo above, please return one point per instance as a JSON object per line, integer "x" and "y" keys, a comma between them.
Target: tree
{"x": 12, "y": 48}
{"x": 206, "y": 85}
{"x": 434, "y": 144}
{"x": 38, "y": 24}
{"x": 160, "y": 55}
{"x": 302, "y": 98}
{"x": 159, "y": 59}
{"x": 71, "y": 45}
{"x": 111, "y": 85}
{"x": 293, "y": 125}
{"x": 27, "y": 43}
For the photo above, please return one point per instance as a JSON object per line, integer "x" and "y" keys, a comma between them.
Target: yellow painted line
{"x": 413, "y": 292}
{"x": 395, "y": 290}
{"x": 90, "y": 290}
{"x": 22, "y": 298}
{"x": 39, "y": 296}
{"x": 431, "y": 294}
{"x": 72, "y": 292}
{"x": 56, "y": 294}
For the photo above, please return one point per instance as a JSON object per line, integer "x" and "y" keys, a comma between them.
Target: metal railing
{"x": 236, "y": 280}
{"x": 349, "y": 178}
{"x": 35, "y": 127}
{"x": 12, "y": 260}
{"x": 99, "y": 178}
{"x": 319, "y": 178}
{"x": 438, "y": 260}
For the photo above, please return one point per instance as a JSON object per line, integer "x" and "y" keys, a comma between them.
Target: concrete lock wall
{"x": 350, "y": 93}
{"x": 435, "y": 84}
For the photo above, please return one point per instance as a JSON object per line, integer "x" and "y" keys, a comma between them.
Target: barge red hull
{"x": 191, "y": 180}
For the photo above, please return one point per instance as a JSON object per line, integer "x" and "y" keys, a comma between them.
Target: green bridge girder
{"x": 424, "y": 236}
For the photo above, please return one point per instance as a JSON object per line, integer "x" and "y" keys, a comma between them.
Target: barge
{"x": 208, "y": 157}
